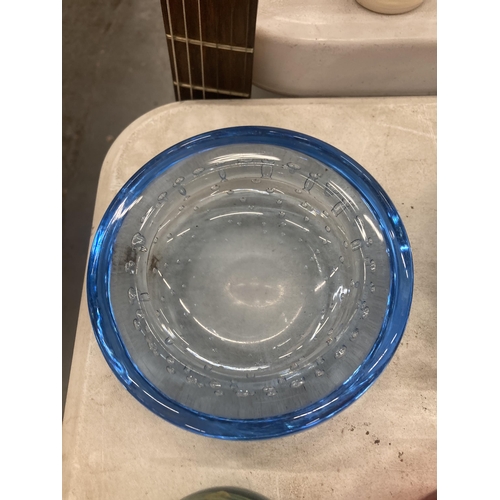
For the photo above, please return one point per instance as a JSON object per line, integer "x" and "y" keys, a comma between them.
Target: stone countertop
{"x": 382, "y": 446}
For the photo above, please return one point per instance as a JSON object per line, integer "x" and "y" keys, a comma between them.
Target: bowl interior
{"x": 249, "y": 281}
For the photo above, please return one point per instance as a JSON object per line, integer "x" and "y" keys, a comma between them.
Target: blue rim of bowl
{"x": 398, "y": 303}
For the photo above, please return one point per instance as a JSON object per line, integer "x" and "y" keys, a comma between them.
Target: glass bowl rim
{"x": 395, "y": 320}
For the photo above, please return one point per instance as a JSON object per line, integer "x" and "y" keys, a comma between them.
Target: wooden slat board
{"x": 210, "y": 44}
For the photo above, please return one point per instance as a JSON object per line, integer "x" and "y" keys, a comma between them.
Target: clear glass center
{"x": 249, "y": 281}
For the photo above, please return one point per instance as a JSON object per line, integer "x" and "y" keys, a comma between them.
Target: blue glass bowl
{"x": 249, "y": 283}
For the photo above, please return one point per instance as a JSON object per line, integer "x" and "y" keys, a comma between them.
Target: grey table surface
{"x": 382, "y": 446}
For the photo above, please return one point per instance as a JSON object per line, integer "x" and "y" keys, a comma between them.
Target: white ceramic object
{"x": 390, "y": 6}
{"x": 338, "y": 48}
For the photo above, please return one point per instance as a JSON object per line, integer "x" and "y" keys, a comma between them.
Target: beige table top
{"x": 382, "y": 446}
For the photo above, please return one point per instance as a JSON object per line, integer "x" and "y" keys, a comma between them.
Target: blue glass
{"x": 257, "y": 183}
